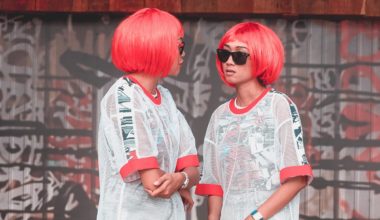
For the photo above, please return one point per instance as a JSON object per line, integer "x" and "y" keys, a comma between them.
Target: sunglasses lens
{"x": 181, "y": 49}
{"x": 239, "y": 58}
{"x": 181, "y": 46}
{"x": 223, "y": 55}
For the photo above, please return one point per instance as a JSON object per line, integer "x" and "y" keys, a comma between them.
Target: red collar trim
{"x": 156, "y": 100}
{"x": 250, "y": 106}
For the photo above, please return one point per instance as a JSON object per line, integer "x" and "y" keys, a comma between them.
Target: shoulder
{"x": 284, "y": 107}
{"x": 281, "y": 99}
{"x": 121, "y": 92}
{"x": 166, "y": 96}
{"x": 121, "y": 84}
{"x": 112, "y": 90}
{"x": 220, "y": 110}
{"x": 165, "y": 93}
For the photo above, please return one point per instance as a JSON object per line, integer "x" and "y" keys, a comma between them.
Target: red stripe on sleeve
{"x": 187, "y": 161}
{"x": 209, "y": 190}
{"x": 134, "y": 165}
{"x": 294, "y": 171}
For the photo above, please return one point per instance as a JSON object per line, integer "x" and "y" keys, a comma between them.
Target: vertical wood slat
{"x": 372, "y": 8}
{"x": 54, "y": 5}
{"x": 236, "y": 6}
{"x": 198, "y": 6}
{"x": 127, "y": 6}
{"x": 173, "y": 6}
{"x": 341, "y": 7}
{"x": 17, "y": 5}
{"x": 80, "y": 6}
{"x": 98, "y": 6}
{"x": 273, "y": 6}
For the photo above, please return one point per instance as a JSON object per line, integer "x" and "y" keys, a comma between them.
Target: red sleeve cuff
{"x": 209, "y": 190}
{"x": 294, "y": 171}
{"x": 187, "y": 161}
{"x": 134, "y": 165}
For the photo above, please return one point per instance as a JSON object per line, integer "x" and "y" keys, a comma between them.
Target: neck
{"x": 248, "y": 91}
{"x": 147, "y": 81}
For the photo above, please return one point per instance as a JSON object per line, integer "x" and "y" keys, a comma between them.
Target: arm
{"x": 214, "y": 207}
{"x": 284, "y": 194}
{"x": 187, "y": 162}
{"x": 129, "y": 136}
{"x": 295, "y": 172}
{"x": 149, "y": 176}
{"x": 210, "y": 184}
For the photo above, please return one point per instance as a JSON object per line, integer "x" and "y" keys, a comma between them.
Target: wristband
{"x": 257, "y": 215}
{"x": 186, "y": 182}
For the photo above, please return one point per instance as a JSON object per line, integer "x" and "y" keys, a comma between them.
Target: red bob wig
{"x": 265, "y": 49}
{"x": 147, "y": 42}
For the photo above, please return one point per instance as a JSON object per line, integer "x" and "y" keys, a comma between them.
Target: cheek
{"x": 176, "y": 62}
{"x": 176, "y": 66}
{"x": 247, "y": 68}
{"x": 224, "y": 67}
{"x": 246, "y": 71}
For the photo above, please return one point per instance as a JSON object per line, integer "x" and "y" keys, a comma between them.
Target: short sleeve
{"x": 188, "y": 156}
{"x": 128, "y": 134}
{"x": 210, "y": 184}
{"x": 293, "y": 161}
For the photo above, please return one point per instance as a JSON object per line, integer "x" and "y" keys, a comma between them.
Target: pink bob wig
{"x": 265, "y": 49}
{"x": 147, "y": 42}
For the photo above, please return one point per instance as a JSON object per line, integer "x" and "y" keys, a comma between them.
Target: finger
{"x": 148, "y": 191}
{"x": 189, "y": 207}
{"x": 160, "y": 189}
{"x": 190, "y": 202}
{"x": 160, "y": 180}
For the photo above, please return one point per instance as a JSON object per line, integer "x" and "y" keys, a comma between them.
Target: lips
{"x": 229, "y": 72}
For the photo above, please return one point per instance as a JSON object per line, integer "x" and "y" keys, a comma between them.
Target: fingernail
{"x": 155, "y": 183}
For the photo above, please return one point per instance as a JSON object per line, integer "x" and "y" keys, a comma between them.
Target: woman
{"x": 254, "y": 159}
{"x": 147, "y": 154}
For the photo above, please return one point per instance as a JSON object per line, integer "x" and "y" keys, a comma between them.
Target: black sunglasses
{"x": 239, "y": 58}
{"x": 181, "y": 46}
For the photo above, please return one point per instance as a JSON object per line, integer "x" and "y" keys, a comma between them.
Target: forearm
{"x": 193, "y": 174}
{"x": 149, "y": 176}
{"x": 214, "y": 207}
{"x": 282, "y": 196}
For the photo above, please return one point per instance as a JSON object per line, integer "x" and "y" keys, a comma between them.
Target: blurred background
{"x": 55, "y": 66}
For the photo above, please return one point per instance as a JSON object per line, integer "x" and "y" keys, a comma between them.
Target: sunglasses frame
{"x": 181, "y": 46}
{"x": 239, "y": 57}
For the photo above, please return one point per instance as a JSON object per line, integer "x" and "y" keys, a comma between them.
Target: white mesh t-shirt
{"x": 136, "y": 132}
{"x": 249, "y": 152}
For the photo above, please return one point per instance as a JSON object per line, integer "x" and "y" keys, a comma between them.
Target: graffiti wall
{"x": 54, "y": 70}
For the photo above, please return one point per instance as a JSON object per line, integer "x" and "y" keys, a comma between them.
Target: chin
{"x": 230, "y": 80}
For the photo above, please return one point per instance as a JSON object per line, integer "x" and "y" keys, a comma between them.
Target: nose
{"x": 230, "y": 61}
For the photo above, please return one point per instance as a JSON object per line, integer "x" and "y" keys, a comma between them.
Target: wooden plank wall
{"x": 361, "y": 8}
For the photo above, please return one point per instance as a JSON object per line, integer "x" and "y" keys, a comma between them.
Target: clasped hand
{"x": 168, "y": 184}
